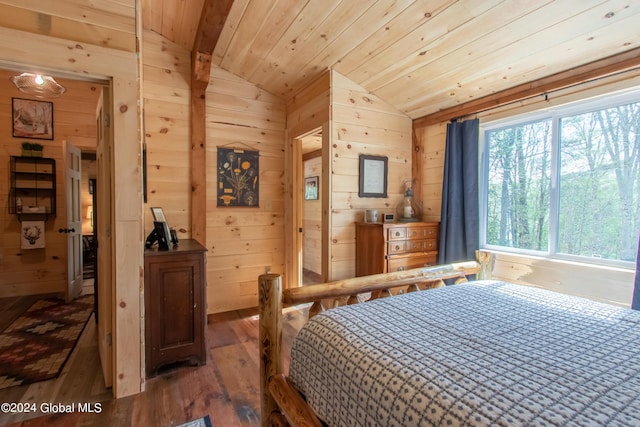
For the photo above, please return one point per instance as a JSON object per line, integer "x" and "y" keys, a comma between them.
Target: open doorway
{"x": 89, "y": 248}
{"x": 310, "y": 226}
{"x": 81, "y": 375}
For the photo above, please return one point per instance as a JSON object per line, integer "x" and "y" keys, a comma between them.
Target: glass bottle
{"x": 407, "y": 209}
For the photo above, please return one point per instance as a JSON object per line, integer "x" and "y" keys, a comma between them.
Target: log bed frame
{"x": 281, "y": 404}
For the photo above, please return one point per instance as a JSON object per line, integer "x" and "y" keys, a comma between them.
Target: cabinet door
{"x": 175, "y": 321}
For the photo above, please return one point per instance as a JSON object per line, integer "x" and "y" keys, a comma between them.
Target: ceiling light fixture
{"x": 38, "y": 85}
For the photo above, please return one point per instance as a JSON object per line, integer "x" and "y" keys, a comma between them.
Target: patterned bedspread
{"x": 482, "y": 353}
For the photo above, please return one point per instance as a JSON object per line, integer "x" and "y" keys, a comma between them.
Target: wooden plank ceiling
{"x": 421, "y": 56}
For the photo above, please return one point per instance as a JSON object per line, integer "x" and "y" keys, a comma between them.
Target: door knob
{"x": 66, "y": 230}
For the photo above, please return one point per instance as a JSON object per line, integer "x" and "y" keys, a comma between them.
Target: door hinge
{"x": 107, "y": 120}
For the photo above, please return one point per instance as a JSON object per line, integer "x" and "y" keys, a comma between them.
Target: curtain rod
{"x": 546, "y": 93}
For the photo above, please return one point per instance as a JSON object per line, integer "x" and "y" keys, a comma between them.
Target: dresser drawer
{"x": 415, "y": 245}
{"x": 416, "y": 233}
{"x": 398, "y": 247}
{"x": 397, "y": 233}
{"x": 428, "y": 232}
{"x": 430, "y": 245}
{"x": 398, "y": 263}
{"x": 431, "y": 232}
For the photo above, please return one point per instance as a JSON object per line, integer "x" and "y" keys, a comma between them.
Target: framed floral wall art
{"x": 238, "y": 177}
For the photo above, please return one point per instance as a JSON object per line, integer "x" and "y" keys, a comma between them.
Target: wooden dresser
{"x": 382, "y": 248}
{"x": 175, "y": 308}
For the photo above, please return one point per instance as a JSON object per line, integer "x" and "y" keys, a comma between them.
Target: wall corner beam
{"x": 214, "y": 14}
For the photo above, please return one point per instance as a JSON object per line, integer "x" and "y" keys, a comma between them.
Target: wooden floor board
{"x": 226, "y": 388}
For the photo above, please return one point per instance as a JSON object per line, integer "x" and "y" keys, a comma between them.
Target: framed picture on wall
{"x": 311, "y": 188}
{"x": 32, "y": 119}
{"x": 238, "y": 177}
{"x": 373, "y": 176}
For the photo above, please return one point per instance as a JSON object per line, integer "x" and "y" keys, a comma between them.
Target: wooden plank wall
{"x": 361, "y": 123}
{"x": 432, "y": 140}
{"x": 166, "y": 91}
{"x": 81, "y": 45}
{"x": 307, "y": 111}
{"x": 39, "y": 271}
{"x": 610, "y": 285}
{"x": 106, "y": 23}
{"x": 244, "y": 242}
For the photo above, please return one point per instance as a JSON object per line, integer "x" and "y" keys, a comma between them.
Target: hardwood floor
{"x": 226, "y": 388}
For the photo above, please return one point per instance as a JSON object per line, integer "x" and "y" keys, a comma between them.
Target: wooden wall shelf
{"x": 33, "y": 187}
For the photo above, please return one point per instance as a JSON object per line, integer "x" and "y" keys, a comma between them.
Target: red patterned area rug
{"x": 37, "y": 344}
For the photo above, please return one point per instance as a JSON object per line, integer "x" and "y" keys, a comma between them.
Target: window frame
{"x": 555, "y": 114}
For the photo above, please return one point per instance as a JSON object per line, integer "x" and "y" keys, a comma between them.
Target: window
{"x": 565, "y": 183}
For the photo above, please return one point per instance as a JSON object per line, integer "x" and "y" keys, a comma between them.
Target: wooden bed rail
{"x": 379, "y": 282}
{"x": 281, "y": 405}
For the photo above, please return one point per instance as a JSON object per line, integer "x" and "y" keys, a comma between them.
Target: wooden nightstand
{"x": 175, "y": 309}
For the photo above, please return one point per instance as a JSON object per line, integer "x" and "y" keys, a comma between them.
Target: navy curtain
{"x": 459, "y": 234}
{"x": 635, "y": 303}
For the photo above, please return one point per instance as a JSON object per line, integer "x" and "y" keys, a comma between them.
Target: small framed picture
{"x": 311, "y": 188}
{"x": 373, "y": 176}
{"x": 158, "y": 215}
{"x": 32, "y": 119}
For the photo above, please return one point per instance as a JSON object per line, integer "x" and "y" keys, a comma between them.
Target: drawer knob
{"x": 397, "y": 234}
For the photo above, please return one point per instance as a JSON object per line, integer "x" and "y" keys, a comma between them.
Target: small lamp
{"x": 38, "y": 85}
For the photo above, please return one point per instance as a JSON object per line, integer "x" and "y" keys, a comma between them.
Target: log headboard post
{"x": 270, "y": 339}
{"x": 485, "y": 260}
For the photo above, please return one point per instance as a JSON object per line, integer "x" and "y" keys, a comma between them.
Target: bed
{"x": 478, "y": 353}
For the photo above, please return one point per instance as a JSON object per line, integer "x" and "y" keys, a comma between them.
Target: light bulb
{"x": 39, "y": 80}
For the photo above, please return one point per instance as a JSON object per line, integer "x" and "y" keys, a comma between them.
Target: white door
{"x": 74, "y": 221}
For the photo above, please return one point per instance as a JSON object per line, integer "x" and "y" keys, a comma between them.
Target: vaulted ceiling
{"x": 421, "y": 56}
